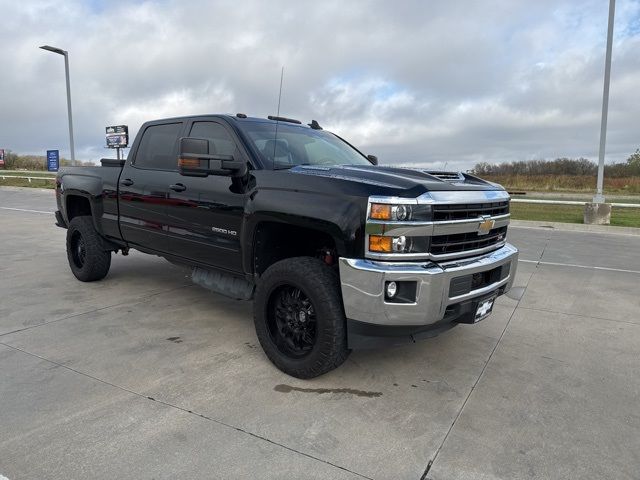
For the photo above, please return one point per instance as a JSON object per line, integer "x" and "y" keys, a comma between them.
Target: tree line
{"x": 561, "y": 166}
{"x": 13, "y": 161}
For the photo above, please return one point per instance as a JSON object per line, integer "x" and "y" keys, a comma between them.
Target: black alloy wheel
{"x": 291, "y": 321}
{"x": 78, "y": 250}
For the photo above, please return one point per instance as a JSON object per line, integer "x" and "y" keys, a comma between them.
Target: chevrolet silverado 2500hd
{"x": 336, "y": 252}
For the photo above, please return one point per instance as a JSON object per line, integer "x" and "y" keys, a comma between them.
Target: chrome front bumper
{"x": 363, "y": 283}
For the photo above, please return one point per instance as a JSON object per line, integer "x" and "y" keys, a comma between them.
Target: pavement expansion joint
{"x": 475, "y": 384}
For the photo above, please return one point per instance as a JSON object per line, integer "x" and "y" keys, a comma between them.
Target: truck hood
{"x": 412, "y": 179}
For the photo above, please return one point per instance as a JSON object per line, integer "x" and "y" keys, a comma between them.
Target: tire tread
{"x": 98, "y": 260}
{"x": 326, "y": 296}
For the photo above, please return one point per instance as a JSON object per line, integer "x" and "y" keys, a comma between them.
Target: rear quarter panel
{"x": 99, "y": 186}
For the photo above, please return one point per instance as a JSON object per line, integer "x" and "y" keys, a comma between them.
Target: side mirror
{"x": 194, "y": 160}
{"x": 373, "y": 159}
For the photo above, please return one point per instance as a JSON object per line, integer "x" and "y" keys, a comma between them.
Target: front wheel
{"x": 299, "y": 318}
{"x": 88, "y": 259}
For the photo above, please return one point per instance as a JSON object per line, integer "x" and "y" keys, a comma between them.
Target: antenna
{"x": 280, "y": 94}
{"x": 275, "y": 139}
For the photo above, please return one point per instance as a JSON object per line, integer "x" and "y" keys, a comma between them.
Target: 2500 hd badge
{"x": 224, "y": 231}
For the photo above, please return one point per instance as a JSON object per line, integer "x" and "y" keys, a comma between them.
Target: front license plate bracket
{"x": 484, "y": 308}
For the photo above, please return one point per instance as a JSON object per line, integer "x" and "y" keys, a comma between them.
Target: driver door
{"x": 205, "y": 214}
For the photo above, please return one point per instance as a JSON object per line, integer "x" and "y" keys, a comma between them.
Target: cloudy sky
{"x": 434, "y": 82}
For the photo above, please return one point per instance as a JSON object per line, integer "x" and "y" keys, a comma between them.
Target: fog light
{"x": 392, "y": 289}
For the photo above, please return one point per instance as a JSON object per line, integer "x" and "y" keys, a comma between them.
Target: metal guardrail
{"x": 4, "y": 177}
{"x": 570, "y": 202}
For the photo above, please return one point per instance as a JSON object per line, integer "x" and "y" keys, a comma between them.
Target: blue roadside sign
{"x": 53, "y": 160}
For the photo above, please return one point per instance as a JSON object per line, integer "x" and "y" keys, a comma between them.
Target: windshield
{"x": 299, "y": 146}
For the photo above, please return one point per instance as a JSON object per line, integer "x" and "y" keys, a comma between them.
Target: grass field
{"x": 621, "y": 217}
{"x": 565, "y": 183}
{"x": 23, "y": 182}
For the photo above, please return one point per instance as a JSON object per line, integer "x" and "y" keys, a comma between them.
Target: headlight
{"x": 383, "y": 211}
{"x": 390, "y": 224}
{"x": 400, "y": 213}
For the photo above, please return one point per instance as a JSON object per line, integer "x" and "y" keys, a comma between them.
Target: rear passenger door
{"x": 144, "y": 186}
{"x": 205, "y": 218}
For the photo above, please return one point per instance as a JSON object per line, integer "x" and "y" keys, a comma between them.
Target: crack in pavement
{"x": 484, "y": 368}
{"x": 190, "y": 412}
{"x": 574, "y": 265}
{"x": 581, "y": 315}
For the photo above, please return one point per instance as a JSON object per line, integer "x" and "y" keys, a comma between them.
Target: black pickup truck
{"x": 336, "y": 252}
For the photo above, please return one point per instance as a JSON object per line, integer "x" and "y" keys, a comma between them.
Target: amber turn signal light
{"x": 380, "y": 211}
{"x": 188, "y": 162}
{"x": 378, "y": 243}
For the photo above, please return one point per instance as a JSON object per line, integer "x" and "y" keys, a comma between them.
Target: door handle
{"x": 178, "y": 187}
{"x": 127, "y": 182}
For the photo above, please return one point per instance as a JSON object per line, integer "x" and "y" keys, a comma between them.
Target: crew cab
{"x": 336, "y": 252}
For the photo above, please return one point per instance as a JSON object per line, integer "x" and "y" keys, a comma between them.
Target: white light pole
{"x": 65, "y": 54}
{"x": 599, "y": 197}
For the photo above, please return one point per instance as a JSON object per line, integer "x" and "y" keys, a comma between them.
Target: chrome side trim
{"x": 465, "y": 196}
{"x": 429, "y": 229}
{"x": 431, "y": 256}
{"x": 392, "y": 200}
{"x": 480, "y": 291}
{"x": 478, "y": 251}
{"x": 447, "y": 197}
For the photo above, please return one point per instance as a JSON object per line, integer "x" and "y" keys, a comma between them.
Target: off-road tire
{"x": 320, "y": 284}
{"x": 88, "y": 259}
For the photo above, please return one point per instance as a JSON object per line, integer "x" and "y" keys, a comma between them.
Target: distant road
{"x": 27, "y": 199}
{"x": 585, "y": 197}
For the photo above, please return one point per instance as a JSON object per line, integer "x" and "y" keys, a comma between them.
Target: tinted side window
{"x": 220, "y": 142}
{"x": 158, "y": 147}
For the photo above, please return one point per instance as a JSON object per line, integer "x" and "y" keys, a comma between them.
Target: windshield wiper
{"x": 287, "y": 167}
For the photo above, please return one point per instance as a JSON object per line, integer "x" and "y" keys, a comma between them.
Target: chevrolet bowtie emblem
{"x": 486, "y": 224}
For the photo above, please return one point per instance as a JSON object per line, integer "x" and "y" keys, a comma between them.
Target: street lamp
{"x": 599, "y": 197}
{"x": 598, "y": 211}
{"x": 65, "y": 54}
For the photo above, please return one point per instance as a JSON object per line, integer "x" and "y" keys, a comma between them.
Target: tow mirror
{"x": 194, "y": 160}
{"x": 373, "y": 159}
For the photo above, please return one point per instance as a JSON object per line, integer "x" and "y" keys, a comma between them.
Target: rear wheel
{"x": 86, "y": 255}
{"x": 299, "y": 318}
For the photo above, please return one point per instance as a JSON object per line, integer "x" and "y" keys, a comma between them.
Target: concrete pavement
{"x": 144, "y": 375}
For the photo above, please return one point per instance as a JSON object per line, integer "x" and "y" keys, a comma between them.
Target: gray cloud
{"x": 440, "y": 82}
